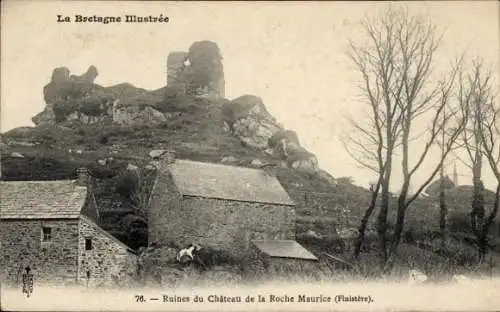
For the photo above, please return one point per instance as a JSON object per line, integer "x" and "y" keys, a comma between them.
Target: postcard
{"x": 239, "y": 156}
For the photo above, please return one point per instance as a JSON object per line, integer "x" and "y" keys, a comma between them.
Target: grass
{"x": 196, "y": 132}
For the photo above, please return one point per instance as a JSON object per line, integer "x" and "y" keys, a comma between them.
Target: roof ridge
{"x": 275, "y": 240}
{"x": 39, "y": 181}
{"x": 217, "y": 164}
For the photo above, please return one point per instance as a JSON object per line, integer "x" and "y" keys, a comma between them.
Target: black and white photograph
{"x": 250, "y": 155}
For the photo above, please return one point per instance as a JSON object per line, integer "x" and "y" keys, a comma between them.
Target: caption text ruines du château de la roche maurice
{"x": 97, "y": 19}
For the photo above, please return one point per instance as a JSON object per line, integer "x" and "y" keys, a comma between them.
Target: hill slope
{"x": 113, "y": 130}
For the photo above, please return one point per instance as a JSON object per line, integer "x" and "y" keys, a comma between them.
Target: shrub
{"x": 103, "y": 139}
{"x": 127, "y": 184}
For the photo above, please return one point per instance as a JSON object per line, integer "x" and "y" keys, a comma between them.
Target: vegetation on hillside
{"x": 403, "y": 230}
{"x": 401, "y": 90}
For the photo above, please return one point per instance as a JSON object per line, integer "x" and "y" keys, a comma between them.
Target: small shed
{"x": 284, "y": 257}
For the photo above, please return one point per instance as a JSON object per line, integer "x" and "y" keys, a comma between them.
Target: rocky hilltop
{"x": 117, "y": 131}
{"x": 193, "y": 77}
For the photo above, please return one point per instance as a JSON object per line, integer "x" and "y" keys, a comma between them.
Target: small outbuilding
{"x": 284, "y": 257}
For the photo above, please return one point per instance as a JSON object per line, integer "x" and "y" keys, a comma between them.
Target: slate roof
{"x": 283, "y": 249}
{"x": 41, "y": 199}
{"x": 227, "y": 182}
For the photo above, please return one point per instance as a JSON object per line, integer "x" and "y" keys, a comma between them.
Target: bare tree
{"x": 447, "y": 122}
{"x": 480, "y": 140}
{"x": 395, "y": 64}
{"x": 372, "y": 140}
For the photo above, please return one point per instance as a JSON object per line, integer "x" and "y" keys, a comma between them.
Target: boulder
{"x": 254, "y": 132}
{"x": 82, "y": 117}
{"x": 132, "y": 167}
{"x": 286, "y": 148}
{"x": 45, "y": 117}
{"x": 228, "y": 159}
{"x": 247, "y": 118}
{"x": 157, "y": 153}
{"x": 137, "y": 115}
{"x": 350, "y": 233}
{"x": 288, "y": 135}
{"x": 257, "y": 162}
{"x": 309, "y": 164}
{"x": 311, "y": 233}
{"x": 101, "y": 162}
{"x": 16, "y": 155}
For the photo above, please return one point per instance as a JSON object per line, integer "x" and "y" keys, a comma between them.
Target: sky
{"x": 291, "y": 54}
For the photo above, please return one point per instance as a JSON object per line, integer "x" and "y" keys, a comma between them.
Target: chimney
{"x": 82, "y": 176}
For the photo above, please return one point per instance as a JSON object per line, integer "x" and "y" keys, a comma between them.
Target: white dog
{"x": 187, "y": 253}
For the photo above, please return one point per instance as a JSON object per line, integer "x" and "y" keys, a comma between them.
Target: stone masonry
{"x": 224, "y": 224}
{"x": 108, "y": 262}
{"x": 52, "y": 262}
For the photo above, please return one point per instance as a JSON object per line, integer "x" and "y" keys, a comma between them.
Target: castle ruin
{"x": 198, "y": 72}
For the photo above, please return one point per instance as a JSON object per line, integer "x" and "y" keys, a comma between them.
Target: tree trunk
{"x": 443, "y": 209}
{"x": 364, "y": 222}
{"x": 398, "y": 228}
{"x": 477, "y": 213}
{"x": 382, "y": 217}
{"x": 483, "y": 242}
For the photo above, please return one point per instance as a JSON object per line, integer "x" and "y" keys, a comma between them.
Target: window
{"x": 88, "y": 243}
{"x": 46, "y": 234}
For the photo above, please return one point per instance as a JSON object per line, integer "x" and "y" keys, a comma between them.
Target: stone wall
{"x": 53, "y": 262}
{"x": 109, "y": 262}
{"x": 175, "y": 65}
{"x": 223, "y": 224}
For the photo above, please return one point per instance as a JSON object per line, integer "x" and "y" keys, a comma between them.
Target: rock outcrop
{"x": 71, "y": 97}
{"x": 67, "y": 97}
{"x": 247, "y": 118}
{"x": 136, "y": 115}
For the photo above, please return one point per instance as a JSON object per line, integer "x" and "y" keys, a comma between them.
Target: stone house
{"x": 51, "y": 226}
{"x": 220, "y": 206}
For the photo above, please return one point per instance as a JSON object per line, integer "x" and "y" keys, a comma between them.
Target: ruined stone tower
{"x": 198, "y": 72}
{"x": 175, "y": 66}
